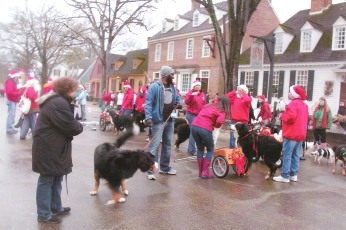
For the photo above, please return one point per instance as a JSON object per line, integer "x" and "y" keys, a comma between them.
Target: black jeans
{"x": 320, "y": 135}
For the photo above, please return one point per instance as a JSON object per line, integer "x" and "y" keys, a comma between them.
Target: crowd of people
{"x": 52, "y": 117}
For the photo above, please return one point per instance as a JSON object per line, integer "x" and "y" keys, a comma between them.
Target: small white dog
{"x": 326, "y": 153}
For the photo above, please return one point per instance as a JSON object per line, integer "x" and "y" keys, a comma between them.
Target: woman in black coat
{"x": 52, "y": 148}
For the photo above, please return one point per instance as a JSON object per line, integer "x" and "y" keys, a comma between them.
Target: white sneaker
{"x": 151, "y": 175}
{"x": 170, "y": 172}
{"x": 281, "y": 179}
{"x": 294, "y": 178}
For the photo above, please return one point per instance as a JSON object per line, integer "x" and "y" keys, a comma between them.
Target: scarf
{"x": 324, "y": 118}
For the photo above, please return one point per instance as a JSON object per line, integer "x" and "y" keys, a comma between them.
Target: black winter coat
{"x": 54, "y": 131}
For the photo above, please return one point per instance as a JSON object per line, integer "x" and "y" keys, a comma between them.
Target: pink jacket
{"x": 295, "y": 120}
{"x": 194, "y": 103}
{"x": 128, "y": 99}
{"x": 240, "y": 107}
{"x": 209, "y": 117}
{"x": 12, "y": 92}
{"x": 265, "y": 111}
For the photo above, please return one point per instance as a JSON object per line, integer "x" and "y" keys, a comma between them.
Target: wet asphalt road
{"x": 316, "y": 201}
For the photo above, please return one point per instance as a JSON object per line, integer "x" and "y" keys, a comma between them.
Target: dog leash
{"x": 146, "y": 147}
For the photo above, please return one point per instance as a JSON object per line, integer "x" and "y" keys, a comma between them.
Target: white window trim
{"x": 204, "y": 70}
{"x": 302, "y": 40}
{"x": 196, "y": 22}
{"x": 187, "y": 48}
{"x": 334, "y": 37}
{"x": 176, "y": 23}
{"x": 170, "y": 52}
{"x": 204, "y": 46}
{"x": 157, "y": 54}
{"x": 277, "y": 43}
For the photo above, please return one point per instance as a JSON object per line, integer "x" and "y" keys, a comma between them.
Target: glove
{"x": 149, "y": 123}
{"x": 178, "y": 106}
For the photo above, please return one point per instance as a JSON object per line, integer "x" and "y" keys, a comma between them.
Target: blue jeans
{"x": 203, "y": 138}
{"x": 127, "y": 112}
{"x": 29, "y": 122}
{"x": 192, "y": 143}
{"x": 82, "y": 111}
{"x": 11, "y": 113}
{"x": 291, "y": 153}
{"x": 48, "y": 196}
{"x": 164, "y": 132}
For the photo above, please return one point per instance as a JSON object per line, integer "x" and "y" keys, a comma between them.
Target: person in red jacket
{"x": 47, "y": 86}
{"x": 107, "y": 99}
{"x": 140, "y": 99}
{"x": 294, "y": 128}
{"x": 194, "y": 100}
{"x": 128, "y": 100}
{"x": 211, "y": 116}
{"x": 12, "y": 98}
{"x": 264, "y": 113}
{"x": 240, "y": 103}
{"x": 29, "y": 121}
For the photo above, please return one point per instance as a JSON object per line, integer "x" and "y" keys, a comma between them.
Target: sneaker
{"x": 151, "y": 175}
{"x": 294, "y": 178}
{"x": 12, "y": 132}
{"x": 51, "y": 220}
{"x": 281, "y": 179}
{"x": 64, "y": 211}
{"x": 170, "y": 172}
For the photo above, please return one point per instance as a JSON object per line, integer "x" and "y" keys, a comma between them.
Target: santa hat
{"x": 22, "y": 71}
{"x": 143, "y": 89}
{"x": 50, "y": 79}
{"x": 298, "y": 92}
{"x": 13, "y": 74}
{"x": 243, "y": 87}
{"x": 262, "y": 97}
{"x": 127, "y": 84}
{"x": 195, "y": 83}
{"x": 30, "y": 80}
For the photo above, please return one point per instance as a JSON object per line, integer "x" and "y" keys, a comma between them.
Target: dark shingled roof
{"x": 127, "y": 67}
{"x": 323, "y": 50}
{"x": 87, "y": 66}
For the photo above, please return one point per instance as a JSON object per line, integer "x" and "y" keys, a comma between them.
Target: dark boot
{"x": 205, "y": 169}
{"x": 20, "y": 122}
{"x": 200, "y": 165}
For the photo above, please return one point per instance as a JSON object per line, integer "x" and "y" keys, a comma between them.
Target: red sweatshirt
{"x": 265, "y": 111}
{"x": 194, "y": 103}
{"x": 128, "y": 99}
{"x": 140, "y": 102}
{"x": 210, "y": 117}
{"x": 12, "y": 92}
{"x": 295, "y": 120}
{"x": 240, "y": 107}
{"x": 30, "y": 94}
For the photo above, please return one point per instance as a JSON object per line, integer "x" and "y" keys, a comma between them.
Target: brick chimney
{"x": 194, "y": 5}
{"x": 318, "y": 6}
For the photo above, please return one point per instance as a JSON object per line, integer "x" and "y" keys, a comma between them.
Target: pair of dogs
{"x": 121, "y": 122}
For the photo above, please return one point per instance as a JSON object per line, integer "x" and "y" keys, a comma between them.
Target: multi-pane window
{"x": 302, "y": 79}
{"x": 170, "y": 50}
{"x": 176, "y": 24}
{"x": 249, "y": 80}
{"x": 275, "y": 89}
{"x": 156, "y": 76}
{"x": 306, "y": 41}
{"x": 278, "y": 43}
{"x": 157, "y": 52}
{"x": 205, "y": 73}
{"x": 205, "y": 49}
{"x": 189, "y": 48}
{"x": 339, "y": 37}
{"x": 185, "y": 83}
{"x": 195, "y": 18}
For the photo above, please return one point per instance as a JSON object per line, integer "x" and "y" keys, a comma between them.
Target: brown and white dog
{"x": 340, "y": 154}
{"x": 115, "y": 165}
{"x": 327, "y": 153}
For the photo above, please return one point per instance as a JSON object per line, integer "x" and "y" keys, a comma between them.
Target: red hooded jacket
{"x": 128, "y": 99}
{"x": 12, "y": 92}
{"x": 295, "y": 120}
{"x": 194, "y": 103}
{"x": 240, "y": 107}
{"x": 210, "y": 117}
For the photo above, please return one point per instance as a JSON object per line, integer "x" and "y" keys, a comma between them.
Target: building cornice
{"x": 180, "y": 36}
{"x": 295, "y": 65}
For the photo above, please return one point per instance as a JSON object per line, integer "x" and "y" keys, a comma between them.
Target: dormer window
{"x": 306, "y": 41}
{"x": 176, "y": 23}
{"x": 196, "y": 18}
{"x": 279, "y": 43}
{"x": 339, "y": 34}
{"x": 164, "y": 26}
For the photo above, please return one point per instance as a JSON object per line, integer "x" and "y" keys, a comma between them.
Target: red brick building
{"x": 181, "y": 44}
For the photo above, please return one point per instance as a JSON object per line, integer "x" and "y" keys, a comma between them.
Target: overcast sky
{"x": 168, "y": 8}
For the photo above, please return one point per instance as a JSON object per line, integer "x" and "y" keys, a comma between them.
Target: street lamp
{"x": 269, "y": 42}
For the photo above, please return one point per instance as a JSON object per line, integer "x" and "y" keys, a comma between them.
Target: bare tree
{"x": 239, "y": 14}
{"x": 108, "y": 20}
